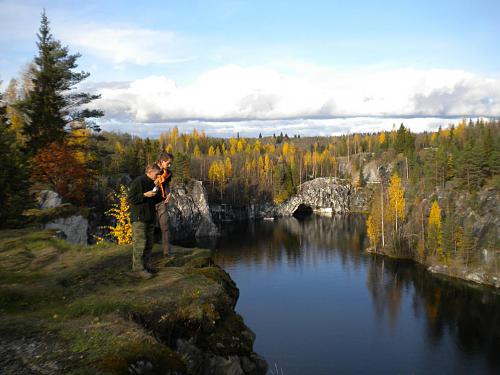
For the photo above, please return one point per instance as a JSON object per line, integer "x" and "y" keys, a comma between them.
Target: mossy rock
{"x": 37, "y": 216}
{"x": 100, "y": 318}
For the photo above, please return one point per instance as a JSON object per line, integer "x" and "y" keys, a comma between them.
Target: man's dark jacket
{"x": 142, "y": 208}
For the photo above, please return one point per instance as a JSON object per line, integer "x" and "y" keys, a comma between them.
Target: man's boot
{"x": 143, "y": 274}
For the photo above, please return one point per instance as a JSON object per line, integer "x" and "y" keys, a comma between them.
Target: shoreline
{"x": 443, "y": 270}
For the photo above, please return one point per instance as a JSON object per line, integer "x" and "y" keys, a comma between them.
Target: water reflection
{"x": 467, "y": 313}
{"x": 400, "y": 318}
{"x": 292, "y": 241}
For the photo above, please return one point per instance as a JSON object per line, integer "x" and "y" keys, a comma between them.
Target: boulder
{"x": 74, "y": 228}
{"x": 64, "y": 218}
{"x": 188, "y": 212}
{"x": 48, "y": 199}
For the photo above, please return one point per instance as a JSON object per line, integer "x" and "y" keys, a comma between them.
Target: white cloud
{"x": 126, "y": 44}
{"x": 260, "y": 93}
{"x": 113, "y": 42}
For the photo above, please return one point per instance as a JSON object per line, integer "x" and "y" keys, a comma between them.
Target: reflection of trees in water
{"x": 288, "y": 240}
{"x": 386, "y": 289}
{"x": 470, "y": 315}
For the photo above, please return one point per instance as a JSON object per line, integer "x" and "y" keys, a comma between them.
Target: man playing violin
{"x": 162, "y": 183}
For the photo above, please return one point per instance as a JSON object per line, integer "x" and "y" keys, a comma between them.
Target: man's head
{"x": 152, "y": 171}
{"x": 165, "y": 159}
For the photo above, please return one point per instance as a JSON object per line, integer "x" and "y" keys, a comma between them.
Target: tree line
{"x": 429, "y": 205}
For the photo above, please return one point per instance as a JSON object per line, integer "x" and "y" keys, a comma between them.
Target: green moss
{"x": 37, "y": 216}
{"x": 90, "y": 303}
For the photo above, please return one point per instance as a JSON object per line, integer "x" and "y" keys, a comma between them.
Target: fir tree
{"x": 53, "y": 104}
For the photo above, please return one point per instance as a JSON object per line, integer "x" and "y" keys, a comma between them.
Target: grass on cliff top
{"x": 87, "y": 311}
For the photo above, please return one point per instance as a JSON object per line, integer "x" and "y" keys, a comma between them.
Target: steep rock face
{"x": 324, "y": 194}
{"x": 188, "y": 212}
{"x": 482, "y": 212}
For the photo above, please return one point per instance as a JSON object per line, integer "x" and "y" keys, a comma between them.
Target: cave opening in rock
{"x": 303, "y": 211}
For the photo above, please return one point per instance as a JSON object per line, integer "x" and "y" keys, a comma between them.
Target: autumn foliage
{"x": 120, "y": 212}
{"x": 58, "y": 166}
{"x": 435, "y": 237}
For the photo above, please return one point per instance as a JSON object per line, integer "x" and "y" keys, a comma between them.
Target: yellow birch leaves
{"x": 122, "y": 230}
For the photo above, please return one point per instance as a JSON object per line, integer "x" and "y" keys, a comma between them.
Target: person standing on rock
{"x": 164, "y": 162}
{"x": 143, "y": 198}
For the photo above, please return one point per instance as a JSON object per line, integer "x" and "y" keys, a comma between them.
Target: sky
{"x": 297, "y": 67}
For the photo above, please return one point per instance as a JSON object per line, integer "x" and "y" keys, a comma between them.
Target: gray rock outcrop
{"x": 188, "y": 212}
{"x": 327, "y": 195}
{"x": 74, "y": 227}
{"x": 48, "y": 199}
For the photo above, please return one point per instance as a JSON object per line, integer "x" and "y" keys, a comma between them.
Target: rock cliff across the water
{"x": 323, "y": 195}
{"x": 77, "y": 309}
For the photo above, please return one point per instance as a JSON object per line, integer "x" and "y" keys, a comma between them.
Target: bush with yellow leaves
{"x": 120, "y": 211}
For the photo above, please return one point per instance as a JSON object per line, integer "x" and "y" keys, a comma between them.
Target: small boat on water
{"x": 269, "y": 218}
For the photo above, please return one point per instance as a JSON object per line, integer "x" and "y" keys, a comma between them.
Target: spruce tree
{"x": 53, "y": 103}
{"x": 181, "y": 167}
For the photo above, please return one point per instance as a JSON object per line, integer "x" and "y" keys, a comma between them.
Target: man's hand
{"x": 150, "y": 194}
{"x": 168, "y": 198}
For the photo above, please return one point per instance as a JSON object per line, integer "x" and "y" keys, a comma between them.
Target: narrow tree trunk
{"x": 407, "y": 172}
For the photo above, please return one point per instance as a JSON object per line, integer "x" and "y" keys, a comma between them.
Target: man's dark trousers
{"x": 143, "y": 238}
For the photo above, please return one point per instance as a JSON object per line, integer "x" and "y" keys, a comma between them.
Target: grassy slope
{"x": 77, "y": 309}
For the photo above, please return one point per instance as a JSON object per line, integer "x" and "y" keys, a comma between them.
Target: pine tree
{"x": 53, "y": 104}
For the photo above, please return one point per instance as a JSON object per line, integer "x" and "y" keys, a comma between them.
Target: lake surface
{"x": 320, "y": 305}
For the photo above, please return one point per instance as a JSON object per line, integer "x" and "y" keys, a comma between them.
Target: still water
{"x": 320, "y": 305}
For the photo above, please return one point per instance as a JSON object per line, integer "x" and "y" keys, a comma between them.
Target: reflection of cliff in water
{"x": 470, "y": 315}
{"x": 309, "y": 241}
